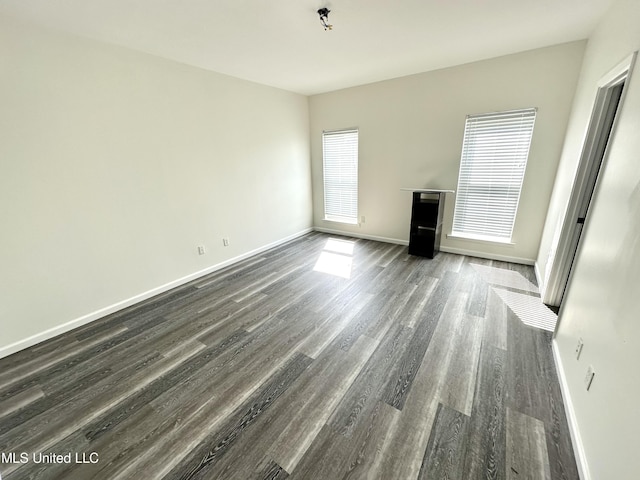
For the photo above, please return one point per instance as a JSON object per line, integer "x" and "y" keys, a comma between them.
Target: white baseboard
{"x": 459, "y": 251}
{"x": 362, "y": 235}
{"x": 576, "y": 441}
{"x": 541, "y": 285}
{"x": 90, "y": 317}
{"x": 490, "y": 256}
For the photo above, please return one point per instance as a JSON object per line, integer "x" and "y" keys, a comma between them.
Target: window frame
{"x": 342, "y": 179}
{"x": 493, "y": 162}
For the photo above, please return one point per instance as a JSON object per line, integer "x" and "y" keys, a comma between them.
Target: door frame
{"x": 569, "y": 238}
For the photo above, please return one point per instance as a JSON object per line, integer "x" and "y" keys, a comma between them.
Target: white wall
{"x": 115, "y": 165}
{"x": 602, "y": 304}
{"x": 411, "y": 132}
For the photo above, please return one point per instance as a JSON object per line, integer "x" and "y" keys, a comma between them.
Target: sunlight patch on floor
{"x": 339, "y": 246}
{"x": 505, "y": 278}
{"x": 530, "y": 310}
{"x": 336, "y": 258}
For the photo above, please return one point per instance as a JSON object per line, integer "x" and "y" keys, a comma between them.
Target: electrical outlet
{"x": 201, "y": 250}
{"x": 362, "y": 219}
{"x": 588, "y": 379}
{"x": 225, "y": 242}
{"x": 579, "y": 348}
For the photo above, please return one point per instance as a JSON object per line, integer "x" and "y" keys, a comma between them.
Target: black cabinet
{"x": 426, "y": 223}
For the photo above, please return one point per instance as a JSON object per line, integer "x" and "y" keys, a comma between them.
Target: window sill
{"x": 471, "y": 238}
{"x": 347, "y": 221}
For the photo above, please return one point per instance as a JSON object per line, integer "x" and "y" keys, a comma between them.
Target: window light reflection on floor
{"x": 336, "y": 258}
{"x": 339, "y": 246}
{"x": 504, "y": 278}
{"x": 529, "y": 309}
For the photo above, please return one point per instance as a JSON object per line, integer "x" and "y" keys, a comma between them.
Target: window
{"x": 340, "y": 167}
{"x": 494, "y": 157}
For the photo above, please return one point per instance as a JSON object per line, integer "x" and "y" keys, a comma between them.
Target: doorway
{"x": 609, "y": 100}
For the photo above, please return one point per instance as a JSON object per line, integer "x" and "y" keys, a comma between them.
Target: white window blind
{"x": 494, "y": 157}
{"x": 340, "y": 157}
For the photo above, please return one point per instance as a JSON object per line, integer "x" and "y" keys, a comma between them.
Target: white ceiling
{"x": 282, "y": 43}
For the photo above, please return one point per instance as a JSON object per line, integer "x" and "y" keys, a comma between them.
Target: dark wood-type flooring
{"x": 272, "y": 368}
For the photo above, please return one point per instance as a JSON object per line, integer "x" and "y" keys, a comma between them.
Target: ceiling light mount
{"x": 324, "y": 18}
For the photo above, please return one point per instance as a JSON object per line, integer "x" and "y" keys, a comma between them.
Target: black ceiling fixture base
{"x": 324, "y": 18}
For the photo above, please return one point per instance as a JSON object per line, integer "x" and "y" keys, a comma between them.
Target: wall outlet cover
{"x": 579, "y": 348}
{"x": 588, "y": 379}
